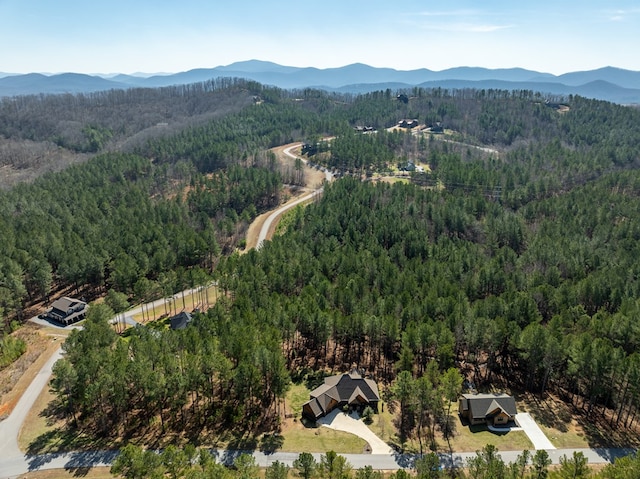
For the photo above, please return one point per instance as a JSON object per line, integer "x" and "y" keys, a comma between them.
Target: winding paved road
{"x": 264, "y": 231}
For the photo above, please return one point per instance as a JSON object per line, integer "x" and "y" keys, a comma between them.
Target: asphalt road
{"x": 78, "y": 461}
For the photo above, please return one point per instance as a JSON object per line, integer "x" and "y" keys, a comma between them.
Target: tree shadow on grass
{"x": 550, "y": 412}
{"x": 270, "y": 443}
{"x": 79, "y": 471}
{"x": 243, "y": 443}
{"x": 601, "y": 434}
{"x": 62, "y": 440}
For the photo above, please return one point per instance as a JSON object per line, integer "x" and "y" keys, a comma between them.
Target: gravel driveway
{"x": 340, "y": 421}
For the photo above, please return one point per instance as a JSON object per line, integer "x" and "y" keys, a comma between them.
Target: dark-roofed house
{"x": 67, "y": 310}
{"x": 337, "y": 391}
{"x": 496, "y": 409}
{"x": 180, "y": 320}
{"x": 408, "y": 123}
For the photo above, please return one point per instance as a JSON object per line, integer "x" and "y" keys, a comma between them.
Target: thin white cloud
{"x": 622, "y": 15}
{"x": 457, "y": 21}
{"x": 463, "y": 27}
{"x": 477, "y": 28}
{"x": 450, "y": 13}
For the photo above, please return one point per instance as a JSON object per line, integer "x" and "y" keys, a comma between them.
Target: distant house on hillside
{"x": 67, "y": 310}
{"x": 437, "y": 128}
{"x": 180, "y": 320}
{"x": 496, "y": 409}
{"x": 406, "y": 123}
{"x": 337, "y": 391}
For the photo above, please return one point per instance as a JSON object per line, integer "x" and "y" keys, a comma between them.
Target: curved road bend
{"x": 264, "y": 231}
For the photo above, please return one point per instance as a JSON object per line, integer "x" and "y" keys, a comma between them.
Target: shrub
{"x": 11, "y": 349}
{"x": 367, "y": 415}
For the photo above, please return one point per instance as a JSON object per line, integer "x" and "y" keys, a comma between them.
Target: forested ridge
{"x": 515, "y": 264}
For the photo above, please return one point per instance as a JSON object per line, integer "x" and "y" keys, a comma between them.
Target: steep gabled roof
{"x": 483, "y": 405}
{"x": 357, "y": 396}
{"x": 495, "y": 408}
{"x": 315, "y": 407}
{"x": 347, "y": 383}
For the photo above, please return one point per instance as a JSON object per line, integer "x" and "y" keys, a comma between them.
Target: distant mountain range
{"x": 612, "y": 84}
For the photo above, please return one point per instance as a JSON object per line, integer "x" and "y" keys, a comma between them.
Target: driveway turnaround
{"x": 341, "y": 421}
{"x": 531, "y": 429}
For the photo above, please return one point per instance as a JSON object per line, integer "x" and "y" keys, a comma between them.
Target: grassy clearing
{"x": 86, "y": 473}
{"x": 569, "y": 439}
{"x": 298, "y": 438}
{"x": 199, "y": 300}
{"x": 42, "y": 432}
{"x": 392, "y": 180}
{"x": 474, "y": 438}
{"x": 297, "y": 395}
{"x": 36, "y": 424}
{"x": 382, "y": 425}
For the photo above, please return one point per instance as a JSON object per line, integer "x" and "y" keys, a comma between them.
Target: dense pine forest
{"x": 513, "y": 260}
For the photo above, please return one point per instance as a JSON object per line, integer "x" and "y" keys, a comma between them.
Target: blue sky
{"x": 169, "y": 36}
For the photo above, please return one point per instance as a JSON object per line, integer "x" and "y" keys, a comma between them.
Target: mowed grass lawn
{"x": 474, "y": 438}
{"x": 464, "y": 438}
{"x": 300, "y": 438}
{"x": 173, "y": 306}
{"x": 85, "y": 473}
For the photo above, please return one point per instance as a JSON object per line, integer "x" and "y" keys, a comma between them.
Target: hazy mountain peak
{"x": 607, "y": 83}
{"x": 255, "y": 66}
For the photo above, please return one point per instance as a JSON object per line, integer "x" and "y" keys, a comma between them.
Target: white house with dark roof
{"x": 67, "y": 310}
{"x": 337, "y": 391}
{"x": 496, "y": 409}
